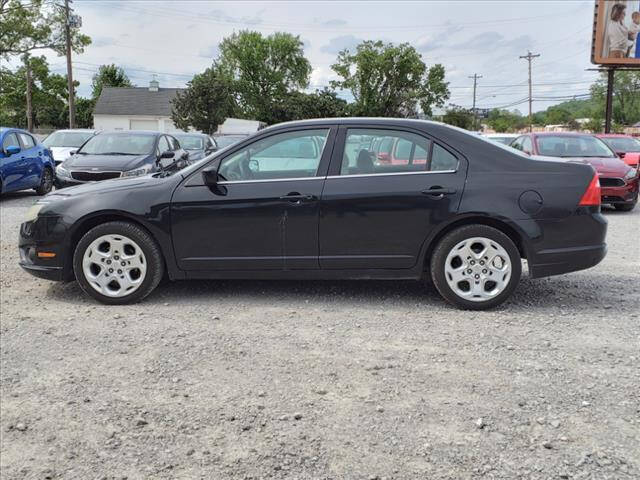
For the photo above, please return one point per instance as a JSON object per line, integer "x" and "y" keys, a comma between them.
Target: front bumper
{"x": 42, "y": 248}
{"x": 627, "y": 193}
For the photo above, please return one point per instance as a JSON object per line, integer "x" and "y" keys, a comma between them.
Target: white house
{"x": 135, "y": 108}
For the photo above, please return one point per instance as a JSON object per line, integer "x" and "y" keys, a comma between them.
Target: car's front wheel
{"x": 118, "y": 263}
{"x": 46, "y": 182}
{"x": 476, "y": 267}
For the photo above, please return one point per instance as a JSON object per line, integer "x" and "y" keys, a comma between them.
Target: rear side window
{"x": 442, "y": 159}
{"x": 27, "y": 140}
{"x": 10, "y": 140}
{"x": 370, "y": 151}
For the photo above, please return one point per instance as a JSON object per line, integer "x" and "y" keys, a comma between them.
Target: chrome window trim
{"x": 229, "y": 182}
{"x": 292, "y": 179}
{"x": 426, "y": 172}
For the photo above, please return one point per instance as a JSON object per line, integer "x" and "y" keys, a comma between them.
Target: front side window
{"x": 163, "y": 145}
{"x": 527, "y": 146}
{"x": 285, "y": 155}
{"x": 27, "y": 140}
{"x": 118, "y": 144}
{"x": 10, "y": 140}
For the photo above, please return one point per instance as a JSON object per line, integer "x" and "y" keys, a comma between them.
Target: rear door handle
{"x": 439, "y": 191}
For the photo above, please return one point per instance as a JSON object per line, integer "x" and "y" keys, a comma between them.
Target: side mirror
{"x": 12, "y": 149}
{"x": 210, "y": 177}
{"x": 73, "y": 152}
{"x": 166, "y": 159}
{"x": 167, "y": 154}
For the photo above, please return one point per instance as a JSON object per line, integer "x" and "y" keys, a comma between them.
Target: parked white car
{"x": 63, "y": 142}
{"x": 505, "y": 138}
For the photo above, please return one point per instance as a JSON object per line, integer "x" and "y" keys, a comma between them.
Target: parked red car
{"x": 618, "y": 181}
{"x": 625, "y": 146}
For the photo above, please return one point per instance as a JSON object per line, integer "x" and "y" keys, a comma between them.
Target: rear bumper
{"x": 563, "y": 260}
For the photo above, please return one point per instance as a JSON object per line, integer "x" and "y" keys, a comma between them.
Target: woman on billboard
{"x": 618, "y": 35}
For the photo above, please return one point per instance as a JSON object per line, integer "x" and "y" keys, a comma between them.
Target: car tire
{"x": 475, "y": 267}
{"x": 122, "y": 242}
{"x": 625, "y": 207}
{"x": 46, "y": 182}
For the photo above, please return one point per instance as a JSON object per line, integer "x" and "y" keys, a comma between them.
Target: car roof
{"x": 6, "y": 129}
{"x": 514, "y": 135}
{"x": 76, "y": 130}
{"x": 189, "y": 134}
{"x": 562, "y": 134}
{"x": 135, "y": 132}
{"x": 613, "y": 135}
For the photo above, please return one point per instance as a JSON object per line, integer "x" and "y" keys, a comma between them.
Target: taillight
{"x": 591, "y": 196}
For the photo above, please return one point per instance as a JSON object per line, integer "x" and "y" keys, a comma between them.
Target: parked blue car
{"x": 24, "y": 162}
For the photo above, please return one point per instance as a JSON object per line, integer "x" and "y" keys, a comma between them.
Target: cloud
{"x": 495, "y": 42}
{"x": 212, "y": 51}
{"x": 434, "y": 41}
{"x": 333, "y": 22}
{"x": 337, "y": 44}
{"x": 98, "y": 41}
{"x": 220, "y": 15}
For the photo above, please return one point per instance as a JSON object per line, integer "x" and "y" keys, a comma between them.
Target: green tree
{"x": 84, "y": 112}
{"x": 388, "y": 80}
{"x": 108, "y": 76}
{"x": 505, "y": 121}
{"x": 264, "y": 70}
{"x": 558, "y": 115}
{"x": 49, "y": 95}
{"x": 626, "y": 96}
{"x": 31, "y": 26}
{"x": 320, "y": 104}
{"x": 209, "y": 98}
{"x": 459, "y": 117}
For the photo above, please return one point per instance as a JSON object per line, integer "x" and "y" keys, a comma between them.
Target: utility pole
{"x": 529, "y": 56}
{"x": 27, "y": 66}
{"x": 67, "y": 32}
{"x": 609, "y": 103}
{"x": 475, "y": 113}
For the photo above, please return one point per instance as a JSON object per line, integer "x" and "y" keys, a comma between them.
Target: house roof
{"x": 135, "y": 101}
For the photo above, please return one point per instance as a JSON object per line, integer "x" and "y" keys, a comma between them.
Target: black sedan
{"x": 312, "y": 200}
{"x": 121, "y": 154}
{"x": 198, "y": 145}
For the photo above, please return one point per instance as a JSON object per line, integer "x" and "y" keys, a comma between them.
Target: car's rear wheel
{"x": 118, "y": 263}
{"x": 476, "y": 267}
{"x": 46, "y": 182}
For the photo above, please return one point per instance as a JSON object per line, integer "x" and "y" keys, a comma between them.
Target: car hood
{"x": 602, "y": 165}
{"x": 105, "y": 162}
{"x": 60, "y": 154}
{"x": 105, "y": 186}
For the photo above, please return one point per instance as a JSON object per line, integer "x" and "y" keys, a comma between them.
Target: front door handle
{"x": 298, "y": 198}
{"x": 439, "y": 191}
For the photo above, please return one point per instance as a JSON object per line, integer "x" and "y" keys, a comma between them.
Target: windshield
{"x": 66, "y": 139}
{"x": 226, "y": 140}
{"x": 572, "y": 146}
{"x": 118, "y": 144}
{"x": 503, "y": 140}
{"x": 623, "y": 144}
{"x": 190, "y": 142}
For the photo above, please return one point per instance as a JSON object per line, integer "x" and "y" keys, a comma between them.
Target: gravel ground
{"x": 353, "y": 380}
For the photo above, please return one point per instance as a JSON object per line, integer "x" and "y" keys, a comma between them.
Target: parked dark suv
{"x": 308, "y": 200}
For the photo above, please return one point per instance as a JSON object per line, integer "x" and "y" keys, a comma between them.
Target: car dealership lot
{"x": 252, "y": 379}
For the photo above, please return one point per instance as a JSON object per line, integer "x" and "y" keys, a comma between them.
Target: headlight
{"x": 630, "y": 174}
{"x": 137, "y": 172}
{"x": 32, "y": 213}
{"x": 62, "y": 172}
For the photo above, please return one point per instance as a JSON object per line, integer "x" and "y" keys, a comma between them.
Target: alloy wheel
{"x": 114, "y": 265}
{"x": 478, "y": 269}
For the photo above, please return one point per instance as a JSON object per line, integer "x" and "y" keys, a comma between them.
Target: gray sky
{"x": 177, "y": 39}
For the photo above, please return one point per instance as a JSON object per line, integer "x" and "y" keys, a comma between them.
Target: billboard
{"x": 616, "y": 30}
